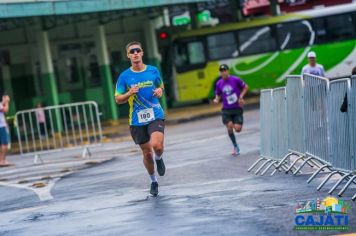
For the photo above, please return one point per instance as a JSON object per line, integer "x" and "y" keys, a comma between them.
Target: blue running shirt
{"x": 144, "y": 107}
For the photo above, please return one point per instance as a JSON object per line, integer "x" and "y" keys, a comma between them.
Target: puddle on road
{"x": 92, "y": 163}
{"x": 270, "y": 190}
{"x": 46, "y": 216}
{"x": 39, "y": 185}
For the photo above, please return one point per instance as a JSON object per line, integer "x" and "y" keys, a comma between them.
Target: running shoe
{"x": 236, "y": 151}
{"x": 154, "y": 189}
{"x": 161, "y": 168}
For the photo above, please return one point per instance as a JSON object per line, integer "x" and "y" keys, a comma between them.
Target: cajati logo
{"x": 327, "y": 214}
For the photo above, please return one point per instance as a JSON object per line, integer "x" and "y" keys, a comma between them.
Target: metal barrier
{"x": 295, "y": 121}
{"x": 295, "y": 114}
{"x": 350, "y": 164}
{"x": 315, "y": 114}
{"x": 69, "y": 126}
{"x": 315, "y": 124}
{"x": 339, "y": 125}
{"x": 352, "y": 119}
{"x": 338, "y": 135}
{"x": 266, "y": 125}
{"x": 339, "y": 144}
{"x": 274, "y": 141}
{"x": 316, "y": 130}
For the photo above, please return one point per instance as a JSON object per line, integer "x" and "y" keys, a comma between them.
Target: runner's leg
{"x": 230, "y": 131}
{"x": 156, "y": 132}
{"x": 157, "y": 139}
{"x": 148, "y": 157}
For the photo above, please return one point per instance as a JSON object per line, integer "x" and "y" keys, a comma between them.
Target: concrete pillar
{"x": 166, "y": 20}
{"x": 275, "y": 10}
{"x": 236, "y": 10}
{"x": 151, "y": 50}
{"x": 110, "y": 109}
{"x": 193, "y": 10}
{"x": 47, "y": 75}
{"x": 48, "y": 79}
{"x": 6, "y": 76}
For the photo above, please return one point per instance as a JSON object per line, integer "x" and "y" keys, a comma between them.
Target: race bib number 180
{"x": 145, "y": 115}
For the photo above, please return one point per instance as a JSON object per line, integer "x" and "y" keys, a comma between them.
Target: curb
{"x": 247, "y": 107}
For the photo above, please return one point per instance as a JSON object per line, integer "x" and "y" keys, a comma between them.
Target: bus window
{"x": 222, "y": 46}
{"x": 295, "y": 35}
{"x": 257, "y": 40}
{"x": 181, "y": 55}
{"x": 196, "y": 53}
{"x": 339, "y": 27}
{"x": 189, "y": 55}
{"x": 354, "y": 20}
{"x": 320, "y": 30}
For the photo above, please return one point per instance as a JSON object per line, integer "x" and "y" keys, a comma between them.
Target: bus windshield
{"x": 189, "y": 55}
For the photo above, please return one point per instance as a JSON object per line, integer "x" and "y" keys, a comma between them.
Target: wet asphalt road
{"x": 206, "y": 191}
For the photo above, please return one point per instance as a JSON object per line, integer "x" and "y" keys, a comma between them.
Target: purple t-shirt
{"x": 230, "y": 90}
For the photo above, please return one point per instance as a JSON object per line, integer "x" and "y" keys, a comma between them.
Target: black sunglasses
{"x": 222, "y": 70}
{"x": 133, "y": 50}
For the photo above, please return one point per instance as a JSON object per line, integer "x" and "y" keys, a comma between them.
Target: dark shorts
{"x": 43, "y": 129}
{"x": 4, "y": 136}
{"x": 142, "y": 134}
{"x": 234, "y": 115}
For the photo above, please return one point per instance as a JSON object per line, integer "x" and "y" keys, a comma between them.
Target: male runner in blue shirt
{"x": 141, "y": 86}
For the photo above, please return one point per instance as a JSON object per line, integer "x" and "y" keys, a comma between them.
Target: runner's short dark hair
{"x": 133, "y": 43}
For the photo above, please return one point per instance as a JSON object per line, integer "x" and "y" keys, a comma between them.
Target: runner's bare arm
{"x": 158, "y": 92}
{"x": 244, "y": 91}
{"x": 217, "y": 99}
{"x": 242, "y": 95}
{"x": 123, "y": 98}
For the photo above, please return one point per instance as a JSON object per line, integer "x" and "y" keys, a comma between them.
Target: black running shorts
{"x": 142, "y": 134}
{"x": 234, "y": 115}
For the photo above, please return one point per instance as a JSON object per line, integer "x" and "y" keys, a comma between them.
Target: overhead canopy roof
{"x": 27, "y": 8}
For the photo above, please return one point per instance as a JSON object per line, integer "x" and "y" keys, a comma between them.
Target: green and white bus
{"x": 261, "y": 52}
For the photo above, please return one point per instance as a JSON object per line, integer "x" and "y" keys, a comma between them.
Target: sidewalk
{"x": 115, "y": 132}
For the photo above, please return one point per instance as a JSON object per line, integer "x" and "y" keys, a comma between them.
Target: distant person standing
{"x": 312, "y": 67}
{"x": 231, "y": 90}
{"x": 41, "y": 119}
{"x": 141, "y": 86}
{"x": 344, "y": 105}
{"x": 4, "y": 136}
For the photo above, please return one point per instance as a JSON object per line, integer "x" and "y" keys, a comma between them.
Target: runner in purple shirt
{"x": 231, "y": 90}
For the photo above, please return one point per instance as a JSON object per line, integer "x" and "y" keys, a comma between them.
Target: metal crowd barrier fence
{"x": 265, "y": 124}
{"x": 339, "y": 140}
{"x": 328, "y": 137}
{"x": 352, "y": 118}
{"x": 321, "y": 104}
{"x": 339, "y": 125}
{"x": 274, "y": 142}
{"x": 266, "y": 138}
{"x": 350, "y": 174}
{"x": 69, "y": 126}
{"x": 314, "y": 115}
{"x": 295, "y": 121}
{"x": 295, "y": 114}
{"x": 318, "y": 132}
